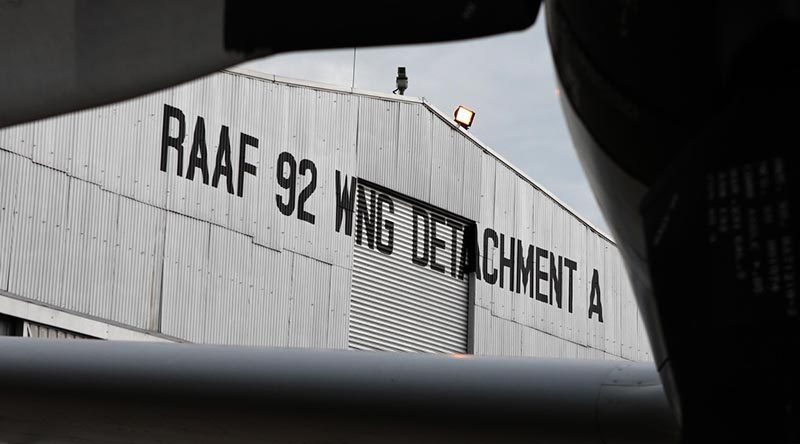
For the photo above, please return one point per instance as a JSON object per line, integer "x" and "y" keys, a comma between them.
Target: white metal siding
{"x": 397, "y": 304}
{"x": 90, "y": 223}
{"x": 511, "y": 322}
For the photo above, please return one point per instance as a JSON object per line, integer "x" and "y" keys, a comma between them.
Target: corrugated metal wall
{"x": 249, "y": 251}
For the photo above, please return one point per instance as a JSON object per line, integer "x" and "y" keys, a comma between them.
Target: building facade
{"x": 249, "y": 209}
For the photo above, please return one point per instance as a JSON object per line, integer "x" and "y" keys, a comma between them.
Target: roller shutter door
{"x": 399, "y": 303}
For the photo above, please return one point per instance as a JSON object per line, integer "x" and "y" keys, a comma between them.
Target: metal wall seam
{"x": 504, "y": 226}
{"x": 272, "y": 130}
{"x": 447, "y": 169}
{"x": 595, "y": 333}
{"x": 509, "y": 334}
{"x": 483, "y": 291}
{"x": 238, "y": 99}
{"x": 244, "y": 116}
{"x": 472, "y": 178}
{"x": 117, "y": 122}
{"x": 186, "y": 276}
{"x": 611, "y": 298}
{"x": 414, "y": 150}
{"x": 343, "y": 161}
{"x": 228, "y": 300}
{"x": 46, "y": 147}
{"x": 524, "y": 308}
{"x": 137, "y": 265}
{"x": 332, "y": 149}
{"x": 377, "y": 140}
{"x": 301, "y": 134}
{"x": 313, "y": 144}
{"x": 268, "y": 290}
{"x": 545, "y": 234}
{"x": 97, "y": 144}
{"x": 481, "y": 327}
{"x": 309, "y": 303}
{"x": 625, "y": 331}
{"x": 339, "y": 307}
{"x": 89, "y": 237}
{"x": 263, "y": 274}
{"x": 559, "y": 221}
{"x": 576, "y": 251}
{"x": 545, "y": 314}
{"x": 280, "y": 300}
{"x": 644, "y": 352}
{"x": 18, "y": 139}
{"x": 147, "y": 182}
{"x": 39, "y": 234}
{"x": 641, "y": 340}
{"x": 11, "y": 166}
{"x": 79, "y": 144}
{"x": 175, "y": 166}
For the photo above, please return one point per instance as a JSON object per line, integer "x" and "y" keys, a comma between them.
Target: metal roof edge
{"x": 250, "y": 73}
{"x": 388, "y": 96}
{"x": 410, "y": 99}
{"x": 320, "y": 85}
{"x": 519, "y": 172}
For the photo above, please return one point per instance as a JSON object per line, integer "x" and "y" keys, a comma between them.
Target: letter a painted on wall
{"x": 595, "y": 305}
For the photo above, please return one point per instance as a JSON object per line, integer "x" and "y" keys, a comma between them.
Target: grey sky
{"x": 509, "y": 81}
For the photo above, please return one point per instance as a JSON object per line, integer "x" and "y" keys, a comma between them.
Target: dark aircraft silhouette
{"x": 685, "y": 121}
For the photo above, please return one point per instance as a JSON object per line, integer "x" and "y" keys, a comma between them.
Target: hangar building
{"x": 250, "y": 209}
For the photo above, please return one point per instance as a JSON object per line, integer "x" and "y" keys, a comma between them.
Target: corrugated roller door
{"x": 410, "y": 291}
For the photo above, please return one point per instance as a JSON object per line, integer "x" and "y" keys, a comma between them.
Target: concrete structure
{"x": 250, "y": 209}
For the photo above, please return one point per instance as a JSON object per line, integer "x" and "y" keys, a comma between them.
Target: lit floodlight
{"x": 464, "y": 117}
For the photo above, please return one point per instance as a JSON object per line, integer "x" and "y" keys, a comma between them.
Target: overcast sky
{"x": 509, "y": 81}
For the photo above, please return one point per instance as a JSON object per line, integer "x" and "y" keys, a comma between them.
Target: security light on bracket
{"x": 402, "y": 80}
{"x": 464, "y": 116}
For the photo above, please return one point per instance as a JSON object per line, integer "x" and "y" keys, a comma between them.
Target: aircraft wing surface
{"x": 86, "y": 391}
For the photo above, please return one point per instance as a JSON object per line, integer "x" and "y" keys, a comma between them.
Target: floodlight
{"x": 464, "y": 117}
